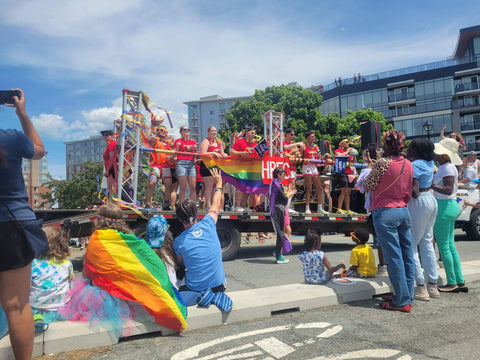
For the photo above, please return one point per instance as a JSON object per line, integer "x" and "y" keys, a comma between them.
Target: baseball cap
{"x": 156, "y": 229}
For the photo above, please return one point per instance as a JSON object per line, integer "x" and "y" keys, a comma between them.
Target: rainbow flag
{"x": 245, "y": 173}
{"x": 127, "y": 268}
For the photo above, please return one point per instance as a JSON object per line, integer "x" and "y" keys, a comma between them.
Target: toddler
{"x": 52, "y": 276}
{"x": 316, "y": 267}
{"x": 362, "y": 260}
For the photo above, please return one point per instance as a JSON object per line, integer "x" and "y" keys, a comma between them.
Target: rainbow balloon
{"x": 127, "y": 268}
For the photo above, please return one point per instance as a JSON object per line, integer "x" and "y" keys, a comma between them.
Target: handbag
{"x": 32, "y": 232}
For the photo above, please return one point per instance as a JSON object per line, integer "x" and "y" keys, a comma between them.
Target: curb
{"x": 248, "y": 305}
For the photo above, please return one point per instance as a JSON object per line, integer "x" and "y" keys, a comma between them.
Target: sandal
{"x": 387, "y": 305}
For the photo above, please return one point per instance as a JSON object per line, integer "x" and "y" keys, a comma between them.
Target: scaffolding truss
{"x": 273, "y": 130}
{"x": 129, "y": 128}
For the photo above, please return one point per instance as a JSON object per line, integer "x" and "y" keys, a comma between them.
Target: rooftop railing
{"x": 403, "y": 71}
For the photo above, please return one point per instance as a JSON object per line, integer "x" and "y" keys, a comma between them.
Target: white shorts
{"x": 166, "y": 173}
{"x": 309, "y": 170}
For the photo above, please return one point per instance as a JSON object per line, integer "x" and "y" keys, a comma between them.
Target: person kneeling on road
{"x": 198, "y": 248}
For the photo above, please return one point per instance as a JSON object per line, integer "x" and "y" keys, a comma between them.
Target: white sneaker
{"x": 307, "y": 211}
{"x": 421, "y": 293}
{"x": 382, "y": 269}
{"x": 293, "y": 212}
{"x": 321, "y": 211}
{"x": 240, "y": 209}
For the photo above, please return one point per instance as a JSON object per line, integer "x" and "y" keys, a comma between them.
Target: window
{"x": 212, "y": 112}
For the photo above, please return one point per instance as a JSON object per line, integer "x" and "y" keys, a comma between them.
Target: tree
{"x": 80, "y": 192}
{"x": 300, "y": 106}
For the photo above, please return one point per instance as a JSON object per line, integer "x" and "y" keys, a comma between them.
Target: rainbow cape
{"x": 127, "y": 268}
{"x": 245, "y": 173}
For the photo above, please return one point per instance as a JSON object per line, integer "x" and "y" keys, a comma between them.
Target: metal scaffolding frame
{"x": 273, "y": 130}
{"x": 129, "y": 129}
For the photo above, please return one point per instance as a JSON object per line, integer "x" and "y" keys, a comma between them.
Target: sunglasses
{"x": 185, "y": 129}
{"x": 161, "y": 131}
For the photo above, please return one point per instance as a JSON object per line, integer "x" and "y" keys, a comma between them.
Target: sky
{"x": 74, "y": 58}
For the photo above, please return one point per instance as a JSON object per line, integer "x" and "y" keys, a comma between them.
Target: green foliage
{"x": 80, "y": 192}
{"x": 301, "y": 109}
{"x": 300, "y": 106}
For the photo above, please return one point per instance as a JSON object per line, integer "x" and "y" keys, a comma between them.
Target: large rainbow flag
{"x": 245, "y": 173}
{"x": 129, "y": 269}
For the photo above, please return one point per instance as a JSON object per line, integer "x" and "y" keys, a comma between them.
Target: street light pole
{"x": 427, "y": 127}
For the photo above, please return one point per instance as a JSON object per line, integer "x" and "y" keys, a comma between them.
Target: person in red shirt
{"x": 110, "y": 160}
{"x": 213, "y": 147}
{"x": 310, "y": 173}
{"x": 186, "y": 172}
{"x": 345, "y": 181}
{"x": 244, "y": 147}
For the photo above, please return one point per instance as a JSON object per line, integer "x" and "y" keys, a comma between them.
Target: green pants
{"x": 448, "y": 211}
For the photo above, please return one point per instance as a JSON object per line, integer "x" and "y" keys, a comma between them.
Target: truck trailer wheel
{"x": 472, "y": 228}
{"x": 230, "y": 240}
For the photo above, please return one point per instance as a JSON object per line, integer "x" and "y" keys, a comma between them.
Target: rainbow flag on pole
{"x": 245, "y": 173}
{"x": 127, "y": 268}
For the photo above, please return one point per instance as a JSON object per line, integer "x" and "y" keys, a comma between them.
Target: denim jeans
{"x": 448, "y": 211}
{"x": 423, "y": 211}
{"x": 392, "y": 226}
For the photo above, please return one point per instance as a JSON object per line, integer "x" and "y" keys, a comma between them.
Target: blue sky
{"x": 73, "y": 58}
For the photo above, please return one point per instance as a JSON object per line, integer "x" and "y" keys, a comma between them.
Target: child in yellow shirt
{"x": 362, "y": 260}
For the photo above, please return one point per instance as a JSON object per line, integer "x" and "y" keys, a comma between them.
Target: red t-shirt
{"x": 243, "y": 145}
{"x": 294, "y": 152}
{"x": 341, "y": 152}
{"x": 215, "y": 147}
{"x": 311, "y": 152}
{"x": 189, "y": 145}
{"x": 111, "y": 147}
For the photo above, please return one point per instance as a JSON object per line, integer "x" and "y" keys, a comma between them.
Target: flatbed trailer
{"x": 230, "y": 224}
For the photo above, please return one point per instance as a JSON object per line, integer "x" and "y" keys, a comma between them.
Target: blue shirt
{"x": 15, "y": 146}
{"x": 200, "y": 249}
{"x": 423, "y": 171}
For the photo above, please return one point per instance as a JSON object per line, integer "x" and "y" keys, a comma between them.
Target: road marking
{"x": 365, "y": 354}
{"x": 275, "y": 347}
{"x": 271, "y": 348}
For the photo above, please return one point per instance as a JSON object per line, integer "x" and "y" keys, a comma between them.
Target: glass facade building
{"x": 207, "y": 111}
{"x": 420, "y": 97}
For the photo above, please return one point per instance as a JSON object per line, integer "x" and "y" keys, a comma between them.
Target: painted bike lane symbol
{"x": 269, "y": 347}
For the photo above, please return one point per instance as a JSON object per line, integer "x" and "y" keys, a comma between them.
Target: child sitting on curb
{"x": 362, "y": 260}
{"x": 316, "y": 267}
{"x": 52, "y": 276}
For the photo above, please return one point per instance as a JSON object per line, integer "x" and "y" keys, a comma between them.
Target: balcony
{"x": 466, "y": 101}
{"x": 401, "y": 97}
{"x": 466, "y": 87}
{"x": 473, "y": 147}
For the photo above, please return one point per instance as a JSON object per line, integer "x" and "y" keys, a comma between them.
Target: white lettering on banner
{"x": 269, "y": 164}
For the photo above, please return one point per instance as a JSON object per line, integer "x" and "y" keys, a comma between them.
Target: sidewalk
{"x": 248, "y": 305}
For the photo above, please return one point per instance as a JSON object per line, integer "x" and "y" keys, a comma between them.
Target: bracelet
{"x": 213, "y": 211}
{"x": 218, "y": 189}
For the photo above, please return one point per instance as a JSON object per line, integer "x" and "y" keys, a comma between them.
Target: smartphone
{"x": 6, "y": 96}
{"x": 372, "y": 151}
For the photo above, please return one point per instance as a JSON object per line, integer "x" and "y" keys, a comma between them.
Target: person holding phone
{"x": 16, "y": 255}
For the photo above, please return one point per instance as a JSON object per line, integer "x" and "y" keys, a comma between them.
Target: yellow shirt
{"x": 362, "y": 257}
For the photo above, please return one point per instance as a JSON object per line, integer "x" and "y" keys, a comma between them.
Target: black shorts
{"x": 111, "y": 173}
{"x": 15, "y": 251}
{"x": 198, "y": 187}
{"x": 204, "y": 170}
{"x": 341, "y": 181}
{"x": 174, "y": 175}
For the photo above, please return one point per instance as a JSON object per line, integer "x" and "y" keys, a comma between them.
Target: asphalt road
{"x": 445, "y": 328}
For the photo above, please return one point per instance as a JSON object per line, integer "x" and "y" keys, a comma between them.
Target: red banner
{"x": 269, "y": 163}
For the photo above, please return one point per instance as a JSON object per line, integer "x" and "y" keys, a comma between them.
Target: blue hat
{"x": 156, "y": 229}
{"x": 476, "y": 181}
